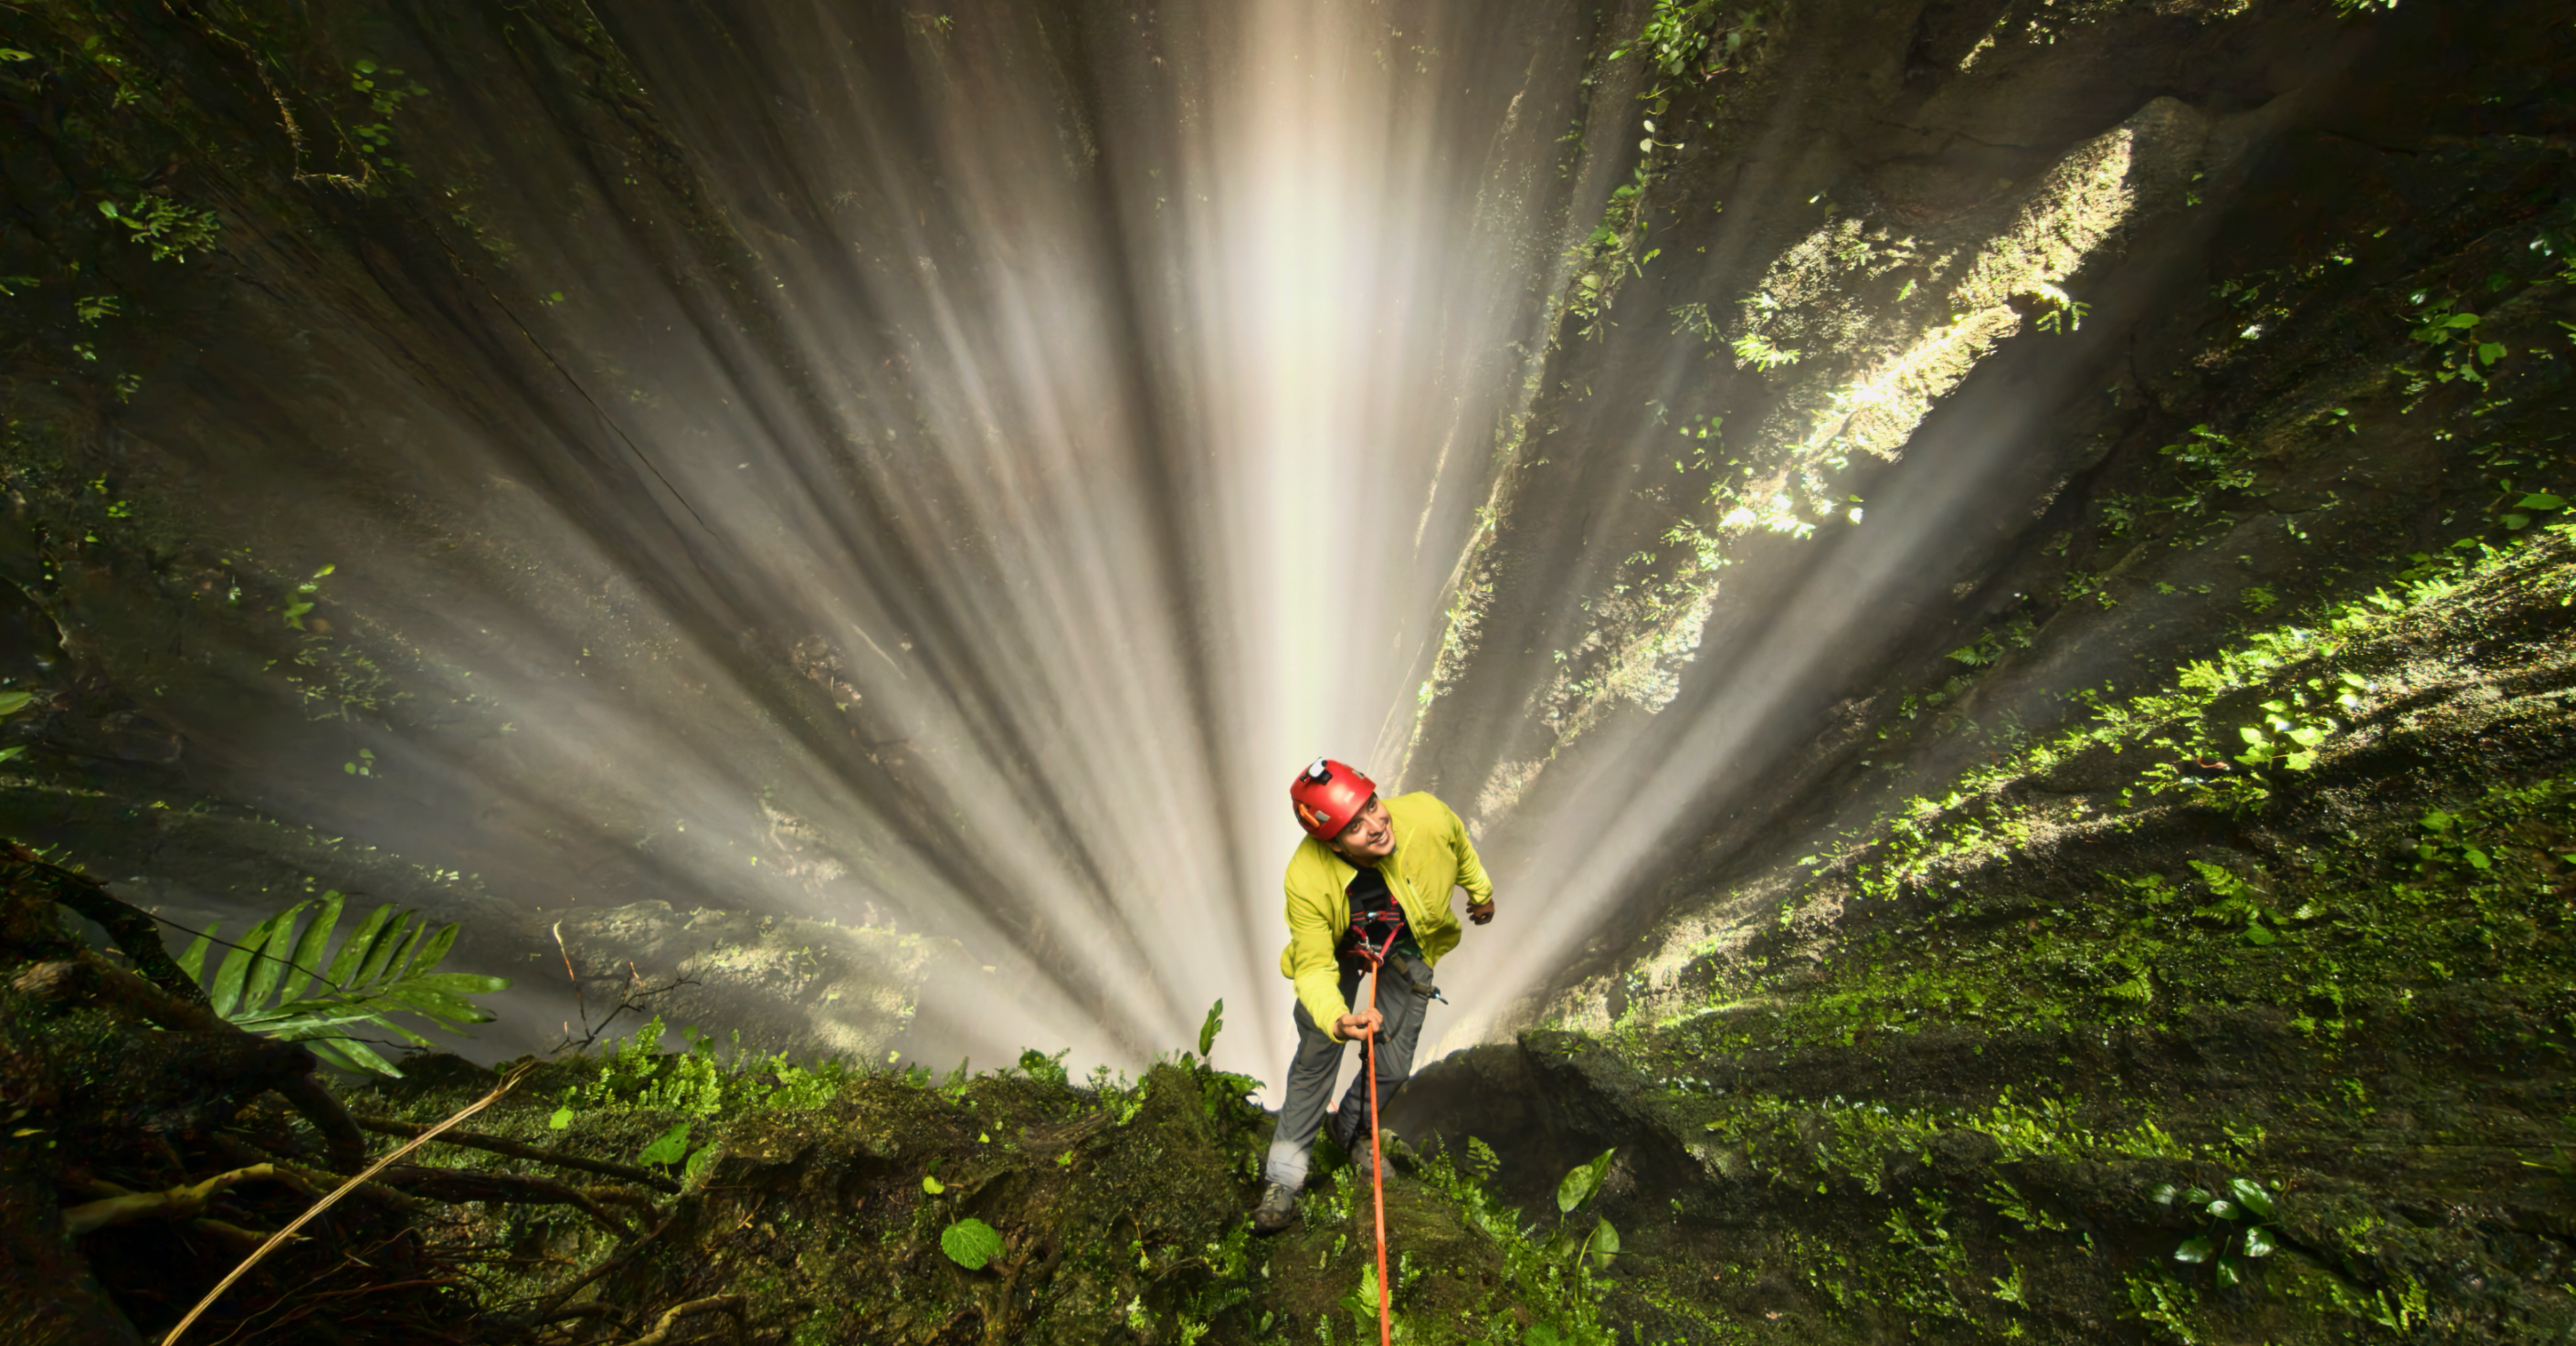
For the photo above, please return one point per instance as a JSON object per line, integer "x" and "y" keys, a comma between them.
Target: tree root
{"x": 85, "y": 973}
{"x": 178, "y": 1203}
{"x": 507, "y": 1083}
{"x": 674, "y": 1315}
{"x": 588, "y": 1308}
{"x": 450, "y": 1184}
{"x": 621, "y": 1257}
{"x": 246, "y": 1153}
{"x": 387, "y": 1126}
{"x": 138, "y": 936}
{"x": 406, "y": 1186}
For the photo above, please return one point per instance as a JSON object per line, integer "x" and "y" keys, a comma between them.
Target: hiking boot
{"x": 1277, "y": 1210}
{"x": 1364, "y": 1163}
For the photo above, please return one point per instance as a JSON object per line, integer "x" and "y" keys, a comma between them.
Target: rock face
{"x": 1967, "y": 1077}
{"x": 1902, "y": 500}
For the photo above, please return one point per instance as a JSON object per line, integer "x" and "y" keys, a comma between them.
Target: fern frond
{"x": 269, "y": 984}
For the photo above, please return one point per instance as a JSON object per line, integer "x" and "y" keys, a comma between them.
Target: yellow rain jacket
{"x": 1432, "y": 855}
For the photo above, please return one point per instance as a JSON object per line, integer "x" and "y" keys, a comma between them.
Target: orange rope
{"x": 1377, "y": 1170}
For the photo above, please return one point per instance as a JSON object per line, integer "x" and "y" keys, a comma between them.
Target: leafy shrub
{"x": 2239, "y": 1228}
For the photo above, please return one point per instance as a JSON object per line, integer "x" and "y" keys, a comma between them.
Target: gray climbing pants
{"x": 1402, "y": 997}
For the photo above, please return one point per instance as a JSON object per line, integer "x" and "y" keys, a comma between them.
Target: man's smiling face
{"x": 1370, "y": 837}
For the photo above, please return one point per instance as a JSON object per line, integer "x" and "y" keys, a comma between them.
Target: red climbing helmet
{"x": 1328, "y": 795}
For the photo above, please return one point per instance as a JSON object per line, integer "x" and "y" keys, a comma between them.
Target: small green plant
{"x": 2064, "y": 313}
{"x": 2295, "y": 722}
{"x": 385, "y": 90}
{"x": 1994, "y": 643}
{"x": 2166, "y": 1303}
{"x": 10, "y": 704}
{"x": 1045, "y": 1069}
{"x": 2028, "y": 1214}
{"x": 2209, "y": 462}
{"x": 1210, "y": 1027}
{"x": 2399, "y": 1309}
{"x": 2444, "y": 844}
{"x": 2532, "y": 503}
{"x": 1931, "y": 1242}
{"x": 169, "y": 229}
{"x": 304, "y": 598}
{"x": 1362, "y": 1305}
{"x": 1554, "y": 1270}
{"x": 2454, "y": 340}
{"x": 638, "y": 1074}
{"x": 268, "y": 983}
{"x": 1691, "y": 39}
{"x": 672, "y": 1149}
{"x": 1602, "y": 1243}
{"x": 2239, "y": 1230}
{"x": 2236, "y": 900}
{"x": 1756, "y": 350}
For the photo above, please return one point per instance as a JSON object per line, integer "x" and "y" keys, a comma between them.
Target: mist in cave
{"x": 941, "y": 472}
{"x": 1081, "y": 431}
{"x": 1101, "y": 446}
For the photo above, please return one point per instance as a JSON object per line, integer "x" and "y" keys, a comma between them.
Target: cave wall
{"x": 1716, "y": 635}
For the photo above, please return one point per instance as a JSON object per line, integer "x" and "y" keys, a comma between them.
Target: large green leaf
{"x": 269, "y": 968}
{"x": 351, "y": 1055}
{"x": 267, "y": 984}
{"x": 295, "y": 1024}
{"x": 193, "y": 962}
{"x": 670, "y": 1147}
{"x": 971, "y": 1243}
{"x": 344, "y": 965}
{"x": 436, "y": 1003}
{"x": 227, "y": 990}
{"x": 309, "y": 949}
{"x": 1582, "y": 1181}
{"x": 2252, "y": 1197}
{"x": 1605, "y": 1245}
{"x": 458, "y": 983}
{"x": 390, "y": 951}
{"x": 433, "y": 952}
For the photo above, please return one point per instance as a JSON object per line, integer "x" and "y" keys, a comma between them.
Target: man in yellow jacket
{"x": 1371, "y": 881}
